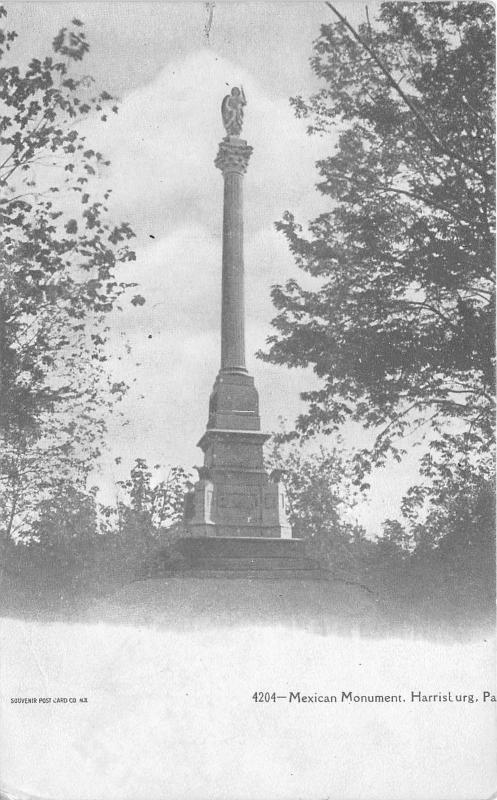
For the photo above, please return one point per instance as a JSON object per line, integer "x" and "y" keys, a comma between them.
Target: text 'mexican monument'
{"x": 234, "y": 496}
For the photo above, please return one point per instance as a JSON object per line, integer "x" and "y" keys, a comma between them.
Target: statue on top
{"x": 232, "y": 111}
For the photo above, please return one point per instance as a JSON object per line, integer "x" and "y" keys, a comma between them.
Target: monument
{"x": 234, "y": 496}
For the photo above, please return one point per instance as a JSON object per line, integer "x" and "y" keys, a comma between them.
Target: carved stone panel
{"x": 238, "y": 505}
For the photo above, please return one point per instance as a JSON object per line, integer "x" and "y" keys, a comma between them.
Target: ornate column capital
{"x": 233, "y": 155}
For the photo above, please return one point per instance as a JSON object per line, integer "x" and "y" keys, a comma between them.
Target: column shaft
{"x": 233, "y": 305}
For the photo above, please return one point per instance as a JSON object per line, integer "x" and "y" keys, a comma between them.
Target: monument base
{"x": 247, "y": 557}
{"x": 240, "y": 531}
{"x": 234, "y": 496}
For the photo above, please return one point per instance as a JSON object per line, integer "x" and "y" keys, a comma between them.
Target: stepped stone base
{"x": 234, "y": 496}
{"x": 252, "y": 557}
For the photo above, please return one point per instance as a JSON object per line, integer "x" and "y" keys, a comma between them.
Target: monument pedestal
{"x": 234, "y": 495}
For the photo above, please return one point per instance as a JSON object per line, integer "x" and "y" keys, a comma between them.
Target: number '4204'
{"x": 264, "y": 697}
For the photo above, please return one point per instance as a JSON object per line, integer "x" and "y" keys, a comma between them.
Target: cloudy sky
{"x": 171, "y": 79}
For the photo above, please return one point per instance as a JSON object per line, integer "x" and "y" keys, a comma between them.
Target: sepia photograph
{"x": 247, "y": 400}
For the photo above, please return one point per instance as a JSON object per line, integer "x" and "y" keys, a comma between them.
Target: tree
{"x": 156, "y": 503}
{"x": 59, "y": 261}
{"x": 149, "y": 519}
{"x": 76, "y": 547}
{"x": 400, "y": 326}
{"x": 321, "y": 497}
{"x": 453, "y": 515}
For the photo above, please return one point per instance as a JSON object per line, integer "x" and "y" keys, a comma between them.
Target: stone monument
{"x": 234, "y": 496}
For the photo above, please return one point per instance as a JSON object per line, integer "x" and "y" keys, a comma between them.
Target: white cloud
{"x": 163, "y": 142}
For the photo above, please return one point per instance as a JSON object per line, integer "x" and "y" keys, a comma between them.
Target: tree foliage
{"x": 400, "y": 323}
{"x": 321, "y": 497}
{"x": 59, "y": 274}
{"x": 77, "y": 548}
{"x": 158, "y": 503}
{"x": 433, "y": 567}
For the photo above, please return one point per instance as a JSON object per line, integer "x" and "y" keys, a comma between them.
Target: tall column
{"x": 232, "y": 160}
{"x": 234, "y": 496}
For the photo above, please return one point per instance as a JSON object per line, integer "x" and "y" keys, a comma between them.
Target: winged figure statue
{"x": 232, "y": 111}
